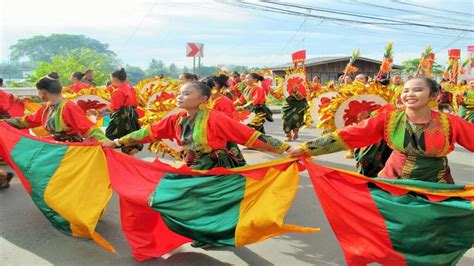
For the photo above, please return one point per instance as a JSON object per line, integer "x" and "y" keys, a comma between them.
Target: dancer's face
{"x": 190, "y": 98}
{"x": 416, "y": 94}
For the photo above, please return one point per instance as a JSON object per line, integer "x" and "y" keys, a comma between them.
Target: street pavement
{"x": 27, "y": 238}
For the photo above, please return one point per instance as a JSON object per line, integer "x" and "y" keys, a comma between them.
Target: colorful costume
{"x": 419, "y": 151}
{"x": 466, "y": 108}
{"x": 124, "y": 117}
{"x": 65, "y": 121}
{"x": 78, "y": 86}
{"x": 204, "y": 137}
{"x": 254, "y": 100}
{"x": 225, "y": 105}
{"x": 294, "y": 109}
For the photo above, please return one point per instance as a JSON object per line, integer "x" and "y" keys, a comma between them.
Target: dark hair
{"x": 88, "y": 71}
{"x": 1, "y": 81}
{"x": 190, "y": 76}
{"x": 432, "y": 84}
{"x": 202, "y": 87}
{"x": 120, "y": 74}
{"x": 221, "y": 80}
{"x": 50, "y": 83}
{"x": 256, "y": 76}
{"x": 235, "y": 73}
{"x": 78, "y": 75}
{"x": 209, "y": 81}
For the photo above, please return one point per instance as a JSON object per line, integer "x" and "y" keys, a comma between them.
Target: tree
{"x": 44, "y": 48}
{"x": 78, "y": 60}
{"x": 155, "y": 68}
{"x": 173, "y": 71}
{"x": 135, "y": 74}
{"x": 208, "y": 70}
{"x": 410, "y": 67}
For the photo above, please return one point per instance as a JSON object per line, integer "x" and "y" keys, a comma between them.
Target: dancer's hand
{"x": 295, "y": 152}
{"x": 109, "y": 144}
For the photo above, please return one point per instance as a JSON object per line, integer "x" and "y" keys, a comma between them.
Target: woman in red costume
{"x": 419, "y": 137}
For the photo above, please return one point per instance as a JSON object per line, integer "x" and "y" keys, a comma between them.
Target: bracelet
{"x": 117, "y": 142}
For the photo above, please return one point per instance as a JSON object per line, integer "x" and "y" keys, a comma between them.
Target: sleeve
{"x": 76, "y": 119}
{"x": 241, "y": 134}
{"x": 258, "y": 96}
{"x": 28, "y": 121}
{"x": 462, "y": 132}
{"x": 368, "y": 132}
{"x": 118, "y": 99}
{"x": 164, "y": 129}
{"x": 5, "y": 100}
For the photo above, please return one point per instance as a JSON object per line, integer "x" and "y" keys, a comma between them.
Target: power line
{"x": 365, "y": 16}
{"x": 411, "y": 12}
{"x": 295, "y": 13}
{"x": 139, "y": 24}
{"x": 432, "y": 8}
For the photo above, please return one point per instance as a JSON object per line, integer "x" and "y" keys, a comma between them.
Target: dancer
{"x": 294, "y": 110}
{"x": 187, "y": 77}
{"x": 124, "y": 117}
{"x": 220, "y": 102}
{"x": 466, "y": 107}
{"x": 253, "y": 99}
{"x": 204, "y": 135}
{"x": 77, "y": 85}
{"x": 419, "y": 137}
{"x": 63, "y": 119}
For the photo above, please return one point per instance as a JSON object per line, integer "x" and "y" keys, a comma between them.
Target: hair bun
{"x": 53, "y": 76}
{"x": 122, "y": 69}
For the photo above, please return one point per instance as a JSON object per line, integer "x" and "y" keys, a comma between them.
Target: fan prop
{"x": 244, "y": 116}
{"x": 320, "y": 102}
{"x": 150, "y": 84}
{"x": 357, "y": 108}
{"x": 160, "y": 96}
{"x": 293, "y": 79}
{"x": 89, "y": 102}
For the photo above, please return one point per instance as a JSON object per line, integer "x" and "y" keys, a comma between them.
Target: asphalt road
{"x": 27, "y": 238}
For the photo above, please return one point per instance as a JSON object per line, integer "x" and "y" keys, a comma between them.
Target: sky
{"x": 138, "y": 31}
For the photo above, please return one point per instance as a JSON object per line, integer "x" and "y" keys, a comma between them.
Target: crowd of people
{"x": 418, "y": 138}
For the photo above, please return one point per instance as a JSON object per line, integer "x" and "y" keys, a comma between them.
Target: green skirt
{"x": 371, "y": 160}
{"x": 262, "y": 113}
{"x": 203, "y": 208}
{"x": 123, "y": 122}
{"x": 293, "y": 113}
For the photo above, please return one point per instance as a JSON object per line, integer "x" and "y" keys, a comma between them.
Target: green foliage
{"x": 78, "y": 60}
{"x": 155, "y": 68}
{"x": 135, "y": 74}
{"x": 410, "y": 67}
{"x": 19, "y": 84}
{"x": 44, "y": 48}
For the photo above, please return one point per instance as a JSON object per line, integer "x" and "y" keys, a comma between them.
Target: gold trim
{"x": 253, "y": 138}
{"x": 447, "y": 132}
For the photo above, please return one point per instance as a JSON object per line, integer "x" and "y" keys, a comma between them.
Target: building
{"x": 327, "y": 68}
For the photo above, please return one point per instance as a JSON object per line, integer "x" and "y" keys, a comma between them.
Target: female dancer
{"x": 77, "y": 85}
{"x": 221, "y": 103}
{"x": 294, "y": 110}
{"x": 63, "y": 119}
{"x": 124, "y": 117}
{"x": 204, "y": 135}
{"x": 466, "y": 108}
{"x": 419, "y": 137}
{"x": 253, "y": 98}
